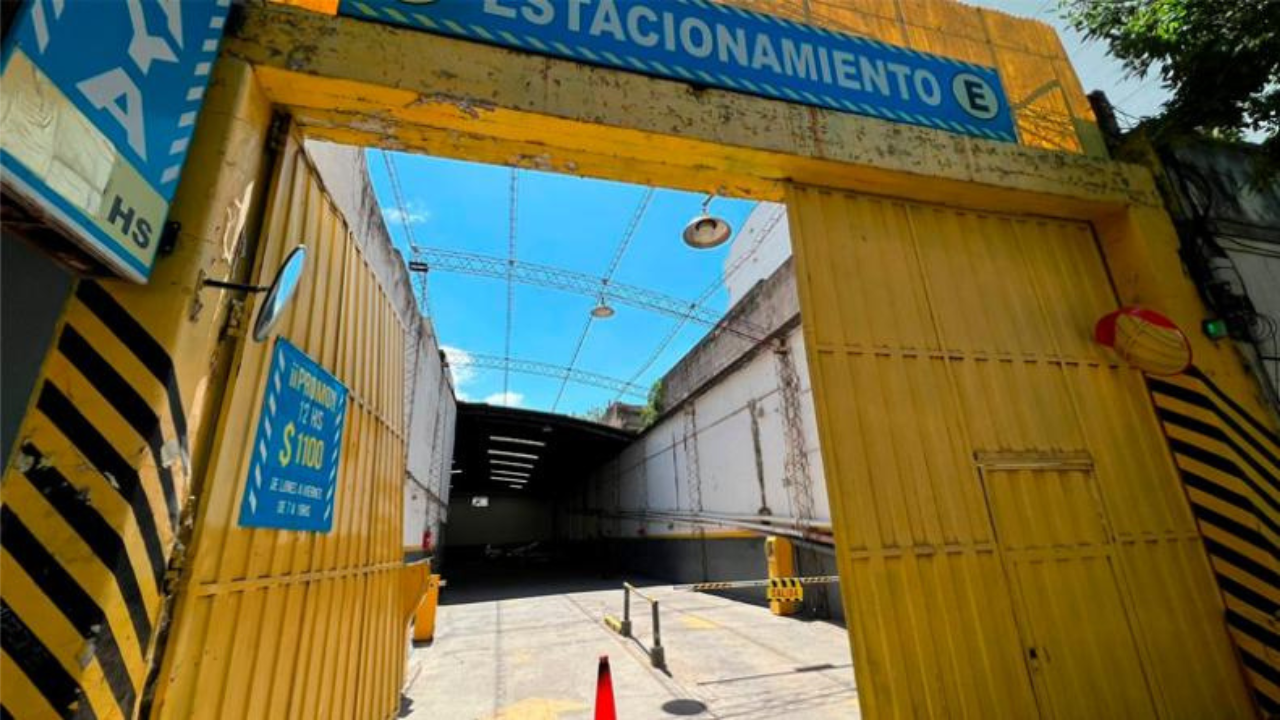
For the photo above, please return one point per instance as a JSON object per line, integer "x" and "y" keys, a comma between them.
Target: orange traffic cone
{"x": 604, "y": 692}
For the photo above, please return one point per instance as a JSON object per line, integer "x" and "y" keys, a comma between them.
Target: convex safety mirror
{"x": 278, "y": 293}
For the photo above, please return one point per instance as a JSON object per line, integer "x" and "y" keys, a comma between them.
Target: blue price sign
{"x": 101, "y": 100}
{"x": 294, "y": 472}
{"x": 716, "y": 45}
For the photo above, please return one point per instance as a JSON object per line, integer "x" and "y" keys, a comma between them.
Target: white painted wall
{"x": 655, "y": 472}
{"x": 430, "y": 407}
{"x": 432, "y": 417}
{"x": 759, "y": 247}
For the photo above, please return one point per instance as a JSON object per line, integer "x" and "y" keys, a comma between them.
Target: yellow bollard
{"x": 781, "y": 558}
{"x": 424, "y": 623}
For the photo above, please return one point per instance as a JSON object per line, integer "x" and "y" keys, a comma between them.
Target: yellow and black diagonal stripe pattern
{"x": 787, "y": 589}
{"x": 89, "y": 517}
{"x": 1230, "y": 464}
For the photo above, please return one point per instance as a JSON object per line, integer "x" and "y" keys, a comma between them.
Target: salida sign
{"x": 100, "y": 102}
{"x": 728, "y": 47}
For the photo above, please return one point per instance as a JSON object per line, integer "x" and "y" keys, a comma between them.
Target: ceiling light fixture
{"x": 508, "y": 463}
{"x": 518, "y": 441}
{"x": 602, "y": 311}
{"x": 508, "y": 473}
{"x": 706, "y": 231}
{"x": 508, "y": 453}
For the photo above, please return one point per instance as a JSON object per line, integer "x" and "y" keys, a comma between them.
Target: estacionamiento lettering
{"x": 649, "y": 28}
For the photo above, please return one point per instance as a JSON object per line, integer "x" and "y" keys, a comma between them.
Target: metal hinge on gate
{"x": 235, "y": 319}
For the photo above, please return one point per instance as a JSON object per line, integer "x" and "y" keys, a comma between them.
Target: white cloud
{"x": 462, "y": 370}
{"x": 413, "y": 213}
{"x": 508, "y": 399}
{"x": 464, "y": 374}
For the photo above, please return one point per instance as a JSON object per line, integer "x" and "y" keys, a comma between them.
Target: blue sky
{"x": 564, "y": 221}
{"x": 577, "y": 224}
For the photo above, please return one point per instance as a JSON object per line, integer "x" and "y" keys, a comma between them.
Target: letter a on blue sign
{"x": 293, "y": 476}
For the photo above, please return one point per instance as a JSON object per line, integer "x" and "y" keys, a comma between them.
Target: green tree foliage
{"x": 653, "y": 409}
{"x": 1220, "y": 59}
{"x": 595, "y": 414}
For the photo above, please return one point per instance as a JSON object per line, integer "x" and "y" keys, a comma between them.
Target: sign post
{"x": 293, "y": 475}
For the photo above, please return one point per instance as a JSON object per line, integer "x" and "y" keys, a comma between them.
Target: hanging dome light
{"x": 706, "y": 231}
{"x": 602, "y": 310}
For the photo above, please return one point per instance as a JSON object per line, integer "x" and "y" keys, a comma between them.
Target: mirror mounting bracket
{"x": 235, "y": 286}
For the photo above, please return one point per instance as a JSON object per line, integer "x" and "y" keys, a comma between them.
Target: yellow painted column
{"x": 1224, "y": 438}
{"x": 97, "y": 493}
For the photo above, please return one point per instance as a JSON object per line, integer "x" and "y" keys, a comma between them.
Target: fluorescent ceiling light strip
{"x": 508, "y": 473}
{"x": 508, "y": 453}
{"x": 508, "y": 463}
{"x": 508, "y": 480}
{"x": 518, "y": 441}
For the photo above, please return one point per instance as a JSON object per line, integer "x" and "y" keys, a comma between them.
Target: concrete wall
{"x": 720, "y": 448}
{"x": 1217, "y": 201}
{"x": 507, "y": 520}
{"x": 431, "y": 408}
{"x": 768, "y": 307}
{"x": 722, "y": 452}
{"x": 759, "y": 248}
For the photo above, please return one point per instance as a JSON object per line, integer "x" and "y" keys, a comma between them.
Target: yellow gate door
{"x": 1055, "y": 541}
{"x": 274, "y": 623}
{"x": 935, "y": 334}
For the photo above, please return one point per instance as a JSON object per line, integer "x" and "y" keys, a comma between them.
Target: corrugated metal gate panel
{"x": 287, "y": 624}
{"x": 937, "y": 337}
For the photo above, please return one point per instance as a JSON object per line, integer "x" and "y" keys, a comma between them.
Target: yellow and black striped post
{"x": 96, "y": 491}
{"x": 1229, "y": 462}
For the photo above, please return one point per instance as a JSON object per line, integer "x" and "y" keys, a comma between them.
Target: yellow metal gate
{"x": 278, "y": 624}
{"x": 1053, "y": 534}
{"x": 937, "y": 337}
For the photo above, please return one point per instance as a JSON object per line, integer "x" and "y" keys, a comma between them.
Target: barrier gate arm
{"x": 766, "y": 583}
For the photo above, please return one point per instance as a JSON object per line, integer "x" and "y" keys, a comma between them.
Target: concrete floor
{"x": 525, "y": 644}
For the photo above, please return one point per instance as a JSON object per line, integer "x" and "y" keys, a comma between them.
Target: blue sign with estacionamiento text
{"x": 293, "y": 475}
{"x": 717, "y": 45}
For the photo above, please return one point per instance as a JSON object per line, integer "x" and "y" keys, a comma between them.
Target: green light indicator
{"x": 1215, "y": 329}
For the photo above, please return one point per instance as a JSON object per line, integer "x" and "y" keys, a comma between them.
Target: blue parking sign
{"x": 293, "y": 476}
{"x": 101, "y": 103}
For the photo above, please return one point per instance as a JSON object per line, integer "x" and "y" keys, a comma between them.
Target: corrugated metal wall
{"x": 945, "y": 346}
{"x": 277, "y": 624}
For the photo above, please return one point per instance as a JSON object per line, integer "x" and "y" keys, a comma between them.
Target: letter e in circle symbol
{"x": 975, "y": 96}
